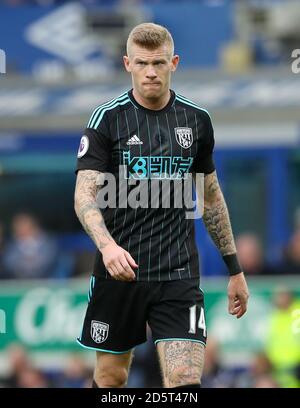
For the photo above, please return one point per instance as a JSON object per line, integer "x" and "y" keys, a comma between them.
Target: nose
{"x": 151, "y": 72}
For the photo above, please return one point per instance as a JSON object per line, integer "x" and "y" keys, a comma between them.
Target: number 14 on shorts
{"x": 201, "y": 321}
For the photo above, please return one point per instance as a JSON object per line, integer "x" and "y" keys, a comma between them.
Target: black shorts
{"x": 118, "y": 312}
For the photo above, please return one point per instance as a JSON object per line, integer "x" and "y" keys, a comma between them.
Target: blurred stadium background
{"x": 63, "y": 58}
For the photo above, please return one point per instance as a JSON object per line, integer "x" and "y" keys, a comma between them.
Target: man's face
{"x": 151, "y": 70}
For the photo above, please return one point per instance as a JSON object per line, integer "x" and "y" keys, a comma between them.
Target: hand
{"x": 238, "y": 295}
{"x": 118, "y": 262}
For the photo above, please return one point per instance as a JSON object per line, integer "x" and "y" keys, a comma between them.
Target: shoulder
{"x": 108, "y": 110}
{"x": 192, "y": 106}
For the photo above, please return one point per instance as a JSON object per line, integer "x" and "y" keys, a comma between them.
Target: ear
{"x": 127, "y": 63}
{"x": 175, "y": 62}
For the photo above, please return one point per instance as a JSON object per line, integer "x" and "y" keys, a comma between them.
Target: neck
{"x": 153, "y": 104}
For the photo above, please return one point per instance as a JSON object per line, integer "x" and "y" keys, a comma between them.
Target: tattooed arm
{"x": 217, "y": 222}
{"x": 87, "y": 210}
{"x": 216, "y": 217}
{"x": 117, "y": 261}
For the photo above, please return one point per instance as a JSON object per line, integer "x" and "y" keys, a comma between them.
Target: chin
{"x": 152, "y": 94}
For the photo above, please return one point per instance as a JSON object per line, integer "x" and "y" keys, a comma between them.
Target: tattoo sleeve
{"x": 216, "y": 217}
{"x": 86, "y": 208}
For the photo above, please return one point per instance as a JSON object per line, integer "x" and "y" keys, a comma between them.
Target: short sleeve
{"x": 203, "y": 162}
{"x": 94, "y": 152}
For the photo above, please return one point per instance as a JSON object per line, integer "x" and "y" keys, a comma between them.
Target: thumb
{"x": 130, "y": 260}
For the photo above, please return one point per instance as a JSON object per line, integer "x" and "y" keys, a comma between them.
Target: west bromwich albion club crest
{"x": 184, "y": 136}
{"x": 99, "y": 331}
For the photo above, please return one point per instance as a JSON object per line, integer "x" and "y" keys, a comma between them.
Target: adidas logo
{"x": 134, "y": 140}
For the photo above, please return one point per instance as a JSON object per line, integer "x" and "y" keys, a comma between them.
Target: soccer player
{"x": 146, "y": 269}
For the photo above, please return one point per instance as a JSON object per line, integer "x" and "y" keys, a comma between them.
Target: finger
{"x": 240, "y": 307}
{"x": 130, "y": 260}
{"x": 114, "y": 272}
{"x": 122, "y": 273}
{"x": 231, "y": 304}
{"x": 125, "y": 275}
{"x": 236, "y": 310}
{"x": 118, "y": 266}
{"x": 126, "y": 267}
{"x": 241, "y": 312}
{"x": 111, "y": 272}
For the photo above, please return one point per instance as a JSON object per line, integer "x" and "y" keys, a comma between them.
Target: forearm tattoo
{"x": 216, "y": 217}
{"x": 182, "y": 362}
{"x": 86, "y": 208}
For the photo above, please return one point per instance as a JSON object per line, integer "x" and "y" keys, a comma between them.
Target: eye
{"x": 141, "y": 63}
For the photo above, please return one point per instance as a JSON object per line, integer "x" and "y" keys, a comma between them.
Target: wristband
{"x": 232, "y": 264}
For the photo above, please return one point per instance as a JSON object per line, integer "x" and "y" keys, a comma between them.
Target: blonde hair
{"x": 150, "y": 36}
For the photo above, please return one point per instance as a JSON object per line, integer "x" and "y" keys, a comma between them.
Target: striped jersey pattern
{"x": 161, "y": 146}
